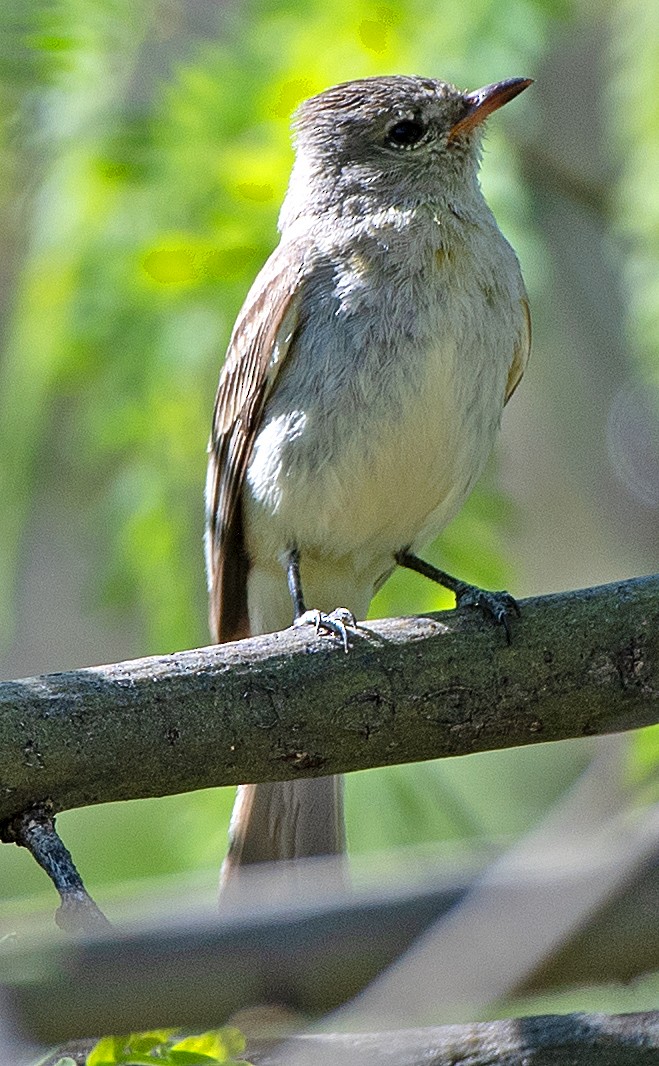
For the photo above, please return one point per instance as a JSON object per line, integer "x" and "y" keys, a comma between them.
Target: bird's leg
{"x": 295, "y": 582}
{"x": 336, "y": 622}
{"x": 498, "y": 606}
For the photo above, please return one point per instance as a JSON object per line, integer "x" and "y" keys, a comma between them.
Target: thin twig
{"x": 35, "y": 830}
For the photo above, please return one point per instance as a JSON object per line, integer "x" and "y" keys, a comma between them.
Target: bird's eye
{"x": 405, "y": 133}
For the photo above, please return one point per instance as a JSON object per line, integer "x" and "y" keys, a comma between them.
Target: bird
{"x": 361, "y": 393}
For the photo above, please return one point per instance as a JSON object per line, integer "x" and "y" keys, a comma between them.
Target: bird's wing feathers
{"x": 258, "y": 347}
{"x": 521, "y": 353}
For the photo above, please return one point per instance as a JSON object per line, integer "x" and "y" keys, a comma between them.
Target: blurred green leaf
{"x": 164, "y": 1047}
{"x": 108, "y": 1051}
{"x": 221, "y": 1043}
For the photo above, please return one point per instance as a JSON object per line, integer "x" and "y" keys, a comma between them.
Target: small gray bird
{"x": 361, "y": 392}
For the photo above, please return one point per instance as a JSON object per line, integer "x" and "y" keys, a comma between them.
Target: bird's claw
{"x": 336, "y": 623}
{"x": 497, "y": 606}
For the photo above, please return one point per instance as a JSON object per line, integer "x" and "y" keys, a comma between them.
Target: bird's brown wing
{"x": 520, "y": 354}
{"x": 258, "y": 347}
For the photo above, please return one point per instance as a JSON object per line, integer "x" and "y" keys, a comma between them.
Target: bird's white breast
{"x": 385, "y": 412}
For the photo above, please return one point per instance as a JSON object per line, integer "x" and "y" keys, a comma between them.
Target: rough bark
{"x": 289, "y": 704}
{"x": 574, "y": 1039}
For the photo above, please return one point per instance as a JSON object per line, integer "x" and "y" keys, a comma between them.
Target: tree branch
{"x": 552, "y": 1040}
{"x": 578, "y": 1039}
{"x": 35, "y": 830}
{"x": 287, "y": 705}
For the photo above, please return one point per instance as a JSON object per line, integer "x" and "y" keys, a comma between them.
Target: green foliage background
{"x": 144, "y": 152}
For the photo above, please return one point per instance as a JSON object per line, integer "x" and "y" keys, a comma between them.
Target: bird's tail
{"x": 285, "y": 820}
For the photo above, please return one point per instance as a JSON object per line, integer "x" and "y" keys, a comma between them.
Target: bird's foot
{"x": 335, "y": 623}
{"x": 499, "y": 607}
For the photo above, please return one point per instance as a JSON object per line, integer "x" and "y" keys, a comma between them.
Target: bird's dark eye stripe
{"x": 405, "y": 133}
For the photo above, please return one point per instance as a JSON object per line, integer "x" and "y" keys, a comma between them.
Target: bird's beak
{"x": 482, "y": 102}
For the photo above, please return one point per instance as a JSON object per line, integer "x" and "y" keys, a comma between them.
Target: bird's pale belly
{"x": 389, "y": 483}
